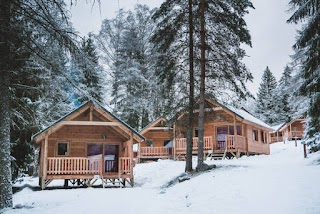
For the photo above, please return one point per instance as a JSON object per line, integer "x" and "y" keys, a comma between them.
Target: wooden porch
{"x": 232, "y": 144}
{"x": 154, "y": 152}
{"x": 295, "y": 135}
{"x": 89, "y": 170}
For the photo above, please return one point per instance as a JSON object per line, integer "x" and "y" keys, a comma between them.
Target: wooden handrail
{"x": 154, "y": 151}
{"x": 74, "y": 165}
{"x": 181, "y": 143}
{"x": 125, "y": 165}
{"x": 235, "y": 142}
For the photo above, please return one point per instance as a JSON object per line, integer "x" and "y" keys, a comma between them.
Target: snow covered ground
{"x": 283, "y": 182}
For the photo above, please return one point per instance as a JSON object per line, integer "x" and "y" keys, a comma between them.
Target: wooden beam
{"x": 91, "y": 113}
{"x": 44, "y": 164}
{"x": 160, "y": 128}
{"x": 89, "y": 123}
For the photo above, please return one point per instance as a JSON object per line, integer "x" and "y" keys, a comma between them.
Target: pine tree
{"x": 125, "y": 45}
{"x": 91, "y": 70}
{"x": 266, "y": 98}
{"x": 27, "y": 26}
{"x": 225, "y": 30}
{"x": 282, "y": 97}
{"x": 307, "y": 55}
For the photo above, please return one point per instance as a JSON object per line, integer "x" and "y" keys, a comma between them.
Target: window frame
{"x": 57, "y": 148}
{"x": 255, "y": 135}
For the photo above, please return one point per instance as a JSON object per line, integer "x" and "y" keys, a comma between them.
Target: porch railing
{"x": 154, "y": 151}
{"x": 298, "y": 134}
{"x": 181, "y": 143}
{"x": 73, "y": 165}
{"x": 232, "y": 142}
{"x": 125, "y": 166}
{"x": 276, "y": 139}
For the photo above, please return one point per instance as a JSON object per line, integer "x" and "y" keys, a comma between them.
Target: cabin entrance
{"x": 109, "y": 158}
{"x": 223, "y": 132}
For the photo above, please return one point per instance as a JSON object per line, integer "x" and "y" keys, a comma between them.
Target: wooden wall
{"x": 78, "y": 138}
{"x": 258, "y": 146}
{"x": 157, "y": 137}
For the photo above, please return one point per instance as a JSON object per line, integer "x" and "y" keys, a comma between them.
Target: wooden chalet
{"x": 294, "y": 129}
{"x": 276, "y": 135}
{"x": 158, "y": 143}
{"x": 229, "y": 132}
{"x": 88, "y": 144}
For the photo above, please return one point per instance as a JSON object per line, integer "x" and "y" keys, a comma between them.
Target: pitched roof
{"x": 152, "y": 124}
{"x": 301, "y": 117}
{"x": 244, "y": 114}
{"x": 83, "y": 106}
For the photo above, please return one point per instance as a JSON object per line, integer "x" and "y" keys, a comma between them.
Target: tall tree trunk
{"x": 191, "y": 93}
{"x": 5, "y": 160}
{"x": 202, "y": 85}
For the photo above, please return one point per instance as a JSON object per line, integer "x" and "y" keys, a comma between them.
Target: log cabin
{"x": 88, "y": 144}
{"x": 276, "y": 135}
{"x": 158, "y": 143}
{"x": 294, "y": 129}
{"x": 228, "y": 132}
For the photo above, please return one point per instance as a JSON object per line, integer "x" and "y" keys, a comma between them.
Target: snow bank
{"x": 283, "y": 182}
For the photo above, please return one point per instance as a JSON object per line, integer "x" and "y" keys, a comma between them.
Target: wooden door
{"x": 111, "y": 157}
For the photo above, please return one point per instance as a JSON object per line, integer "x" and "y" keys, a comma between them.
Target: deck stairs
{"x": 216, "y": 155}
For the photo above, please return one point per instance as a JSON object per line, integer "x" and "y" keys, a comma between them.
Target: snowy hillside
{"x": 283, "y": 182}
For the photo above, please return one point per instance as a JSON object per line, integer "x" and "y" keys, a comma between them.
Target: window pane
{"x": 239, "y": 131}
{"x": 94, "y": 150}
{"x": 231, "y": 130}
{"x": 149, "y": 143}
{"x": 62, "y": 148}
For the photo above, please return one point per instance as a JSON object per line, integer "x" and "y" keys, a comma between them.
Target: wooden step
{"x": 216, "y": 156}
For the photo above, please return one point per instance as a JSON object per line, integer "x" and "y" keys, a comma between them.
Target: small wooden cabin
{"x": 294, "y": 129}
{"x": 229, "y": 132}
{"x": 88, "y": 144}
{"x": 276, "y": 135}
{"x": 158, "y": 143}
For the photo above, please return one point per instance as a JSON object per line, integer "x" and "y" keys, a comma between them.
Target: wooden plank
{"x": 45, "y": 157}
{"x": 90, "y": 123}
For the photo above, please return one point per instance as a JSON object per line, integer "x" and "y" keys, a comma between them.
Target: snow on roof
{"x": 247, "y": 116}
{"x": 277, "y": 127}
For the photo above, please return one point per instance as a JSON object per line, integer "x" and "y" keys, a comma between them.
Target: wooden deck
{"x": 84, "y": 168}
{"x": 230, "y": 144}
{"x": 154, "y": 152}
{"x": 295, "y": 134}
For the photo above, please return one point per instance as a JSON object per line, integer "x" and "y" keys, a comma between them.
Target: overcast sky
{"x": 272, "y": 37}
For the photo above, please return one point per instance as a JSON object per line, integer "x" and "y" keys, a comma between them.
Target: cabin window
{"x": 149, "y": 143}
{"x": 294, "y": 128}
{"x": 231, "y": 130}
{"x": 63, "y": 148}
{"x": 196, "y": 132}
{"x": 262, "y": 137}
{"x": 255, "y": 135}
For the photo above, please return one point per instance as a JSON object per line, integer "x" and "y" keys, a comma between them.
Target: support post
{"x": 45, "y": 161}
{"x": 295, "y": 142}
{"x": 174, "y": 141}
{"x": 305, "y": 150}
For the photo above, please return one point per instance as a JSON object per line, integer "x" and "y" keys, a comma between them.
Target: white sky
{"x": 272, "y": 37}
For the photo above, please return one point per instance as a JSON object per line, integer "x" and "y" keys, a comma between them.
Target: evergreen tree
{"x": 282, "y": 96}
{"x": 225, "y": 30}
{"x": 266, "y": 98}
{"x": 125, "y": 45}
{"x": 92, "y": 72}
{"x": 36, "y": 28}
{"x": 307, "y": 55}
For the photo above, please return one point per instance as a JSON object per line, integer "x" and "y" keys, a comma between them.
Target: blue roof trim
{"x": 81, "y": 106}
